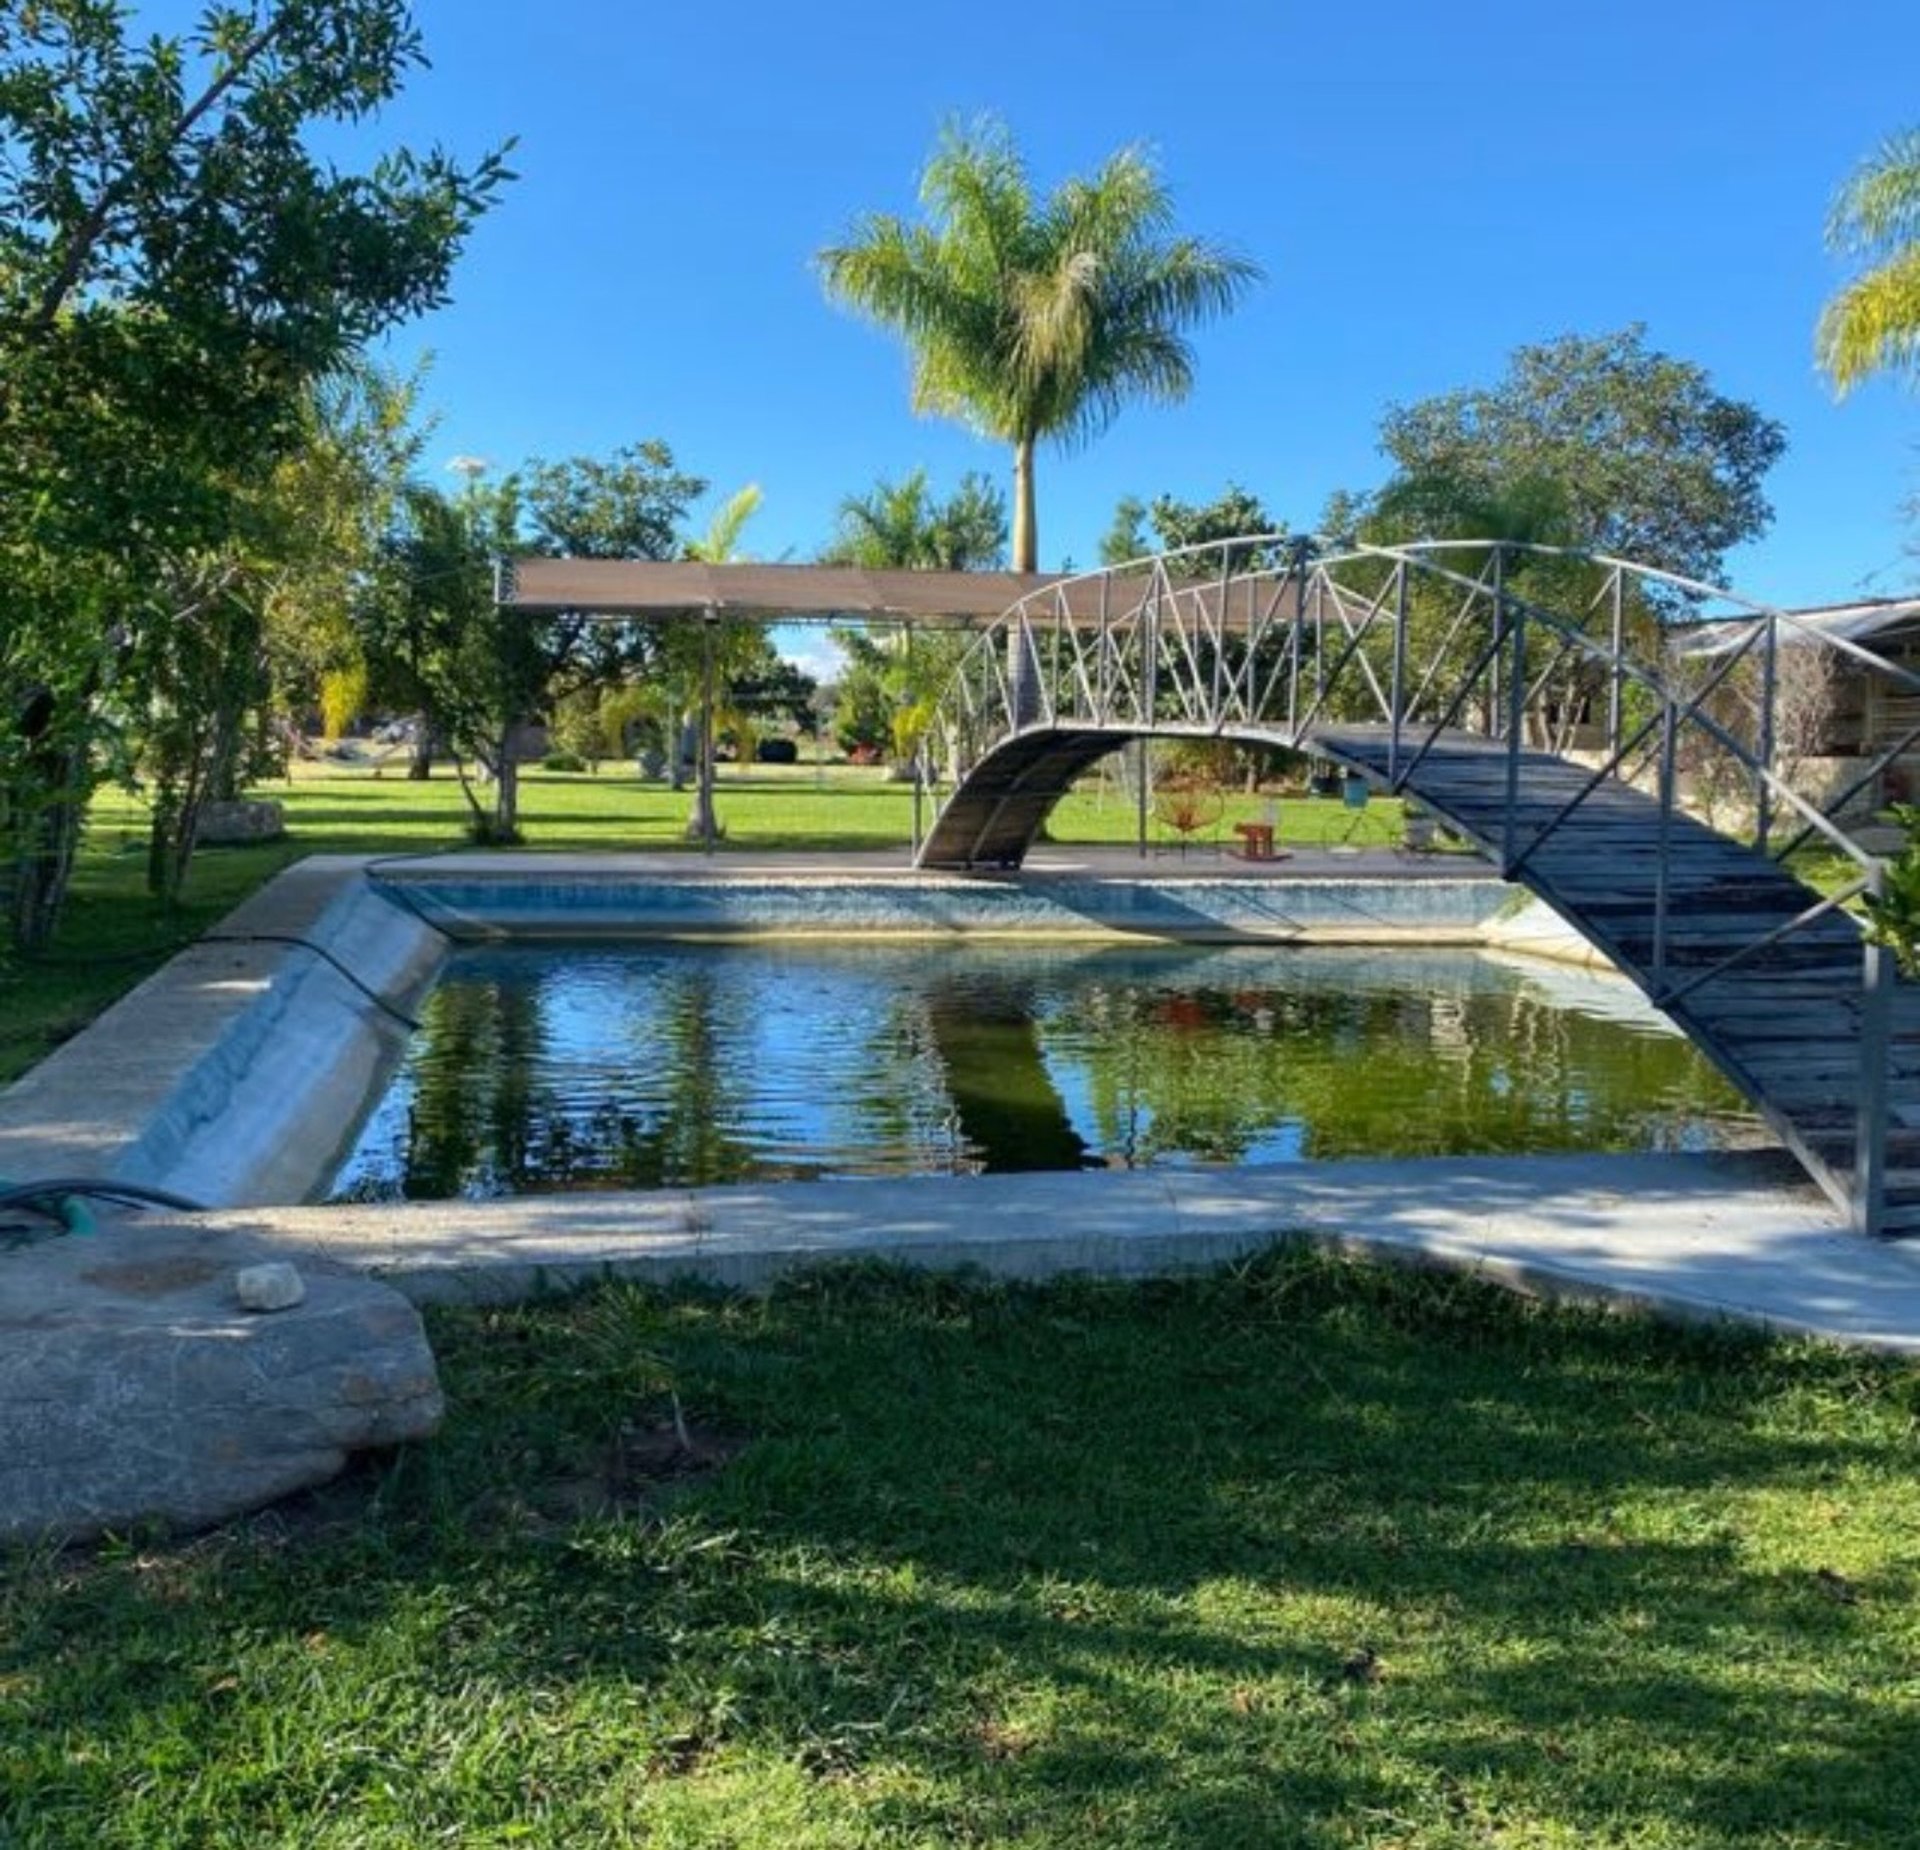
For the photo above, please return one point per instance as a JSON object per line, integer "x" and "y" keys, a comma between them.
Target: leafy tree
{"x": 176, "y": 267}
{"x": 1442, "y": 503}
{"x": 887, "y": 692}
{"x": 716, "y": 655}
{"x": 433, "y": 633}
{"x": 1177, "y": 525}
{"x": 866, "y": 695}
{"x": 258, "y": 625}
{"x": 1036, "y": 319}
{"x": 1873, "y": 324}
{"x": 630, "y": 505}
{"x": 328, "y": 506}
{"x": 1126, "y": 538}
{"x": 899, "y": 526}
{"x": 1232, "y": 514}
{"x": 1645, "y": 459}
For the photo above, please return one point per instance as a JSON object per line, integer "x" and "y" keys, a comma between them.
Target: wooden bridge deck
{"x": 1784, "y": 1025}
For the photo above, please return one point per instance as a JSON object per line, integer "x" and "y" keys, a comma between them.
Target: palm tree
{"x": 1873, "y": 324}
{"x": 723, "y": 652}
{"x": 1035, "y": 319}
{"x": 899, "y": 526}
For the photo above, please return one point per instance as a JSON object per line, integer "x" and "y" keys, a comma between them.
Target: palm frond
{"x": 1873, "y": 325}
{"x": 1036, "y": 320}
{"x": 1878, "y": 209}
{"x": 720, "y": 544}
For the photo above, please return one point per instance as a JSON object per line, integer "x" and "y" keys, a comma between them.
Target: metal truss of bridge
{"x": 1534, "y": 700}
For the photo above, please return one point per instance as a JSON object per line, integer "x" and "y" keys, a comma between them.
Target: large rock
{"x": 245, "y": 819}
{"x": 134, "y": 1388}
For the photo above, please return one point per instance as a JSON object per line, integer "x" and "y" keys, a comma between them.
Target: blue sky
{"x": 1426, "y": 187}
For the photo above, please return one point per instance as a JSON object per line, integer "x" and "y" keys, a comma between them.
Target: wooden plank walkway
{"x": 1783, "y": 1025}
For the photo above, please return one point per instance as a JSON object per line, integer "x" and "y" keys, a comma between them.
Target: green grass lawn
{"x": 1304, "y": 1554}
{"x": 114, "y": 935}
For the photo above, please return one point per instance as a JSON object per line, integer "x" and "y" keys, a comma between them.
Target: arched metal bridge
{"x": 1539, "y": 701}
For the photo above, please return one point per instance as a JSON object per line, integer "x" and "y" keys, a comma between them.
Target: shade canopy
{"x": 835, "y": 593}
{"x": 767, "y": 593}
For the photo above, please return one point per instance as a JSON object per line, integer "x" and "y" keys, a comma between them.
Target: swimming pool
{"x": 662, "y": 1064}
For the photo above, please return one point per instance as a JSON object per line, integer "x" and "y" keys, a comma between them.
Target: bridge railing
{"x": 1710, "y": 702}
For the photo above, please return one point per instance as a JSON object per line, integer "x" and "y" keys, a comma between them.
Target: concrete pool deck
{"x": 1740, "y": 1236}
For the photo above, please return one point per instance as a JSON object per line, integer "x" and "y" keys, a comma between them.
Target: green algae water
{"x": 539, "y": 1069}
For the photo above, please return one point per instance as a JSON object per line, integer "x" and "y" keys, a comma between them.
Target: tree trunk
{"x": 49, "y": 838}
{"x": 506, "y": 799}
{"x": 43, "y": 810}
{"x": 506, "y": 786}
{"x": 420, "y": 759}
{"x": 703, "y": 825}
{"x": 1026, "y": 527}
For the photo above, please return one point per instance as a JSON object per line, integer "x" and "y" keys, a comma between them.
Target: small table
{"x": 1257, "y": 838}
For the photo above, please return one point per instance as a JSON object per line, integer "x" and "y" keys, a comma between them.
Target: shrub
{"x": 343, "y": 692}
{"x": 777, "y": 751}
{"x": 563, "y": 761}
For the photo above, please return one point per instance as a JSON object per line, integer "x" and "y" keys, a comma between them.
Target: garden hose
{"x": 63, "y": 1199}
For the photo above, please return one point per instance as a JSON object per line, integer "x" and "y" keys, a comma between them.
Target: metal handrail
{"x": 1171, "y": 603}
{"x": 1171, "y": 656}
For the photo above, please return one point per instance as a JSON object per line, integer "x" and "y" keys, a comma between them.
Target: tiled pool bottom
{"x": 665, "y": 1064}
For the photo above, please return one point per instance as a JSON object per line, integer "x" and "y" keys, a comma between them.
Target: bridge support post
{"x": 1024, "y": 690}
{"x": 1876, "y": 1039}
{"x": 1769, "y": 692}
{"x": 1142, "y": 795}
{"x": 1516, "y": 727}
{"x": 1663, "y": 870}
{"x": 1397, "y": 698}
{"x": 1616, "y": 679}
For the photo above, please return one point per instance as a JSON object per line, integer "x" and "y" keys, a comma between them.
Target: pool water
{"x": 655, "y": 1065}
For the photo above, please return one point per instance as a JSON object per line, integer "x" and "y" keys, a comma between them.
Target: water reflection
{"x": 664, "y": 1065}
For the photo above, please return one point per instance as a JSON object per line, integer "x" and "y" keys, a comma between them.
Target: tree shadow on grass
{"x": 1313, "y": 1555}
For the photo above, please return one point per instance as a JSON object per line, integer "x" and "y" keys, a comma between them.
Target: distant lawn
{"x": 761, "y": 808}
{"x": 1306, "y": 1554}
{"x": 114, "y": 935}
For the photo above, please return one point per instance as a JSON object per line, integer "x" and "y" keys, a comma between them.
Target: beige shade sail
{"x": 832, "y": 593}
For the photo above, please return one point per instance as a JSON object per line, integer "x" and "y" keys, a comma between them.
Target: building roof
{"x": 1858, "y": 622}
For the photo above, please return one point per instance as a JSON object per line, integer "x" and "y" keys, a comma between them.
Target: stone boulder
{"x": 249, "y": 820}
{"x": 134, "y": 1388}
